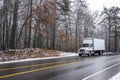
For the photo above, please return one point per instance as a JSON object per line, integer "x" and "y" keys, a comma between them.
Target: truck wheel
{"x": 100, "y": 53}
{"x": 89, "y": 54}
{"x": 80, "y": 54}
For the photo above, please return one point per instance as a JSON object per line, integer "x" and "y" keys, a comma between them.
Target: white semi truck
{"x": 92, "y": 46}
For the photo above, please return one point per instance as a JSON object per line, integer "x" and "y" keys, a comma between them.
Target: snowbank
{"x": 67, "y": 54}
{"x": 116, "y": 77}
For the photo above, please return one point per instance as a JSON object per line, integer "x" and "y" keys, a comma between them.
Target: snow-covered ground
{"x": 116, "y": 77}
{"x": 62, "y": 54}
{"x": 67, "y": 54}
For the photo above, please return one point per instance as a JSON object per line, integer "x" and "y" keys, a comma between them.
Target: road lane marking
{"x": 36, "y": 70}
{"x": 86, "y": 78}
{"x": 20, "y": 67}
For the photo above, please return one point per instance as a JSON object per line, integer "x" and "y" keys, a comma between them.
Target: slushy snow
{"x": 116, "y": 77}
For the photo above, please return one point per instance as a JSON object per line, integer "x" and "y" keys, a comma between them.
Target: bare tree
{"x": 14, "y": 25}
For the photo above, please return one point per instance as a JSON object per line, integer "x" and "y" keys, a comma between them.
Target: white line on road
{"x": 101, "y": 71}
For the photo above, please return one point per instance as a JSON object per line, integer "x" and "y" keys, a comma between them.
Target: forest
{"x": 56, "y": 24}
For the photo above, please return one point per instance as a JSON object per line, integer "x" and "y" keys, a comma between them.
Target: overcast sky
{"x": 98, "y": 4}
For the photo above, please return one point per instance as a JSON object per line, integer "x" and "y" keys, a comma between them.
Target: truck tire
{"x": 100, "y": 52}
{"x": 89, "y": 54}
{"x": 80, "y": 54}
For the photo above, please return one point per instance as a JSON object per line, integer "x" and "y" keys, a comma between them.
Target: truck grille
{"x": 82, "y": 50}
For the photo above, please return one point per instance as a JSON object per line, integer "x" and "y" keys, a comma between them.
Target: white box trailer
{"x": 92, "y": 46}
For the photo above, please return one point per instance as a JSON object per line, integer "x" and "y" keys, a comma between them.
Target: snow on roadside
{"x": 116, "y": 77}
{"x": 62, "y": 54}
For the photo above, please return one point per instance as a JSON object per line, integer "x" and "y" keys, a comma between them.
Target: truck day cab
{"x": 92, "y": 46}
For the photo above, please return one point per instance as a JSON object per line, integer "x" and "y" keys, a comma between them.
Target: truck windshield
{"x": 87, "y": 45}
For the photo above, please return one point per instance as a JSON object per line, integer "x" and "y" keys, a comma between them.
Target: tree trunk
{"x": 6, "y": 25}
{"x": 54, "y": 27}
{"x": 30, "y": 25}
{"x": 35, "y": 38}
{"x": 14, "y": 26}
{"x": 116, "y": 42}
{"x": 109, "y": 34}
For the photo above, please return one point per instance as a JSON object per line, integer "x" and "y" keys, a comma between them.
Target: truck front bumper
{"x": 84, "y": 52}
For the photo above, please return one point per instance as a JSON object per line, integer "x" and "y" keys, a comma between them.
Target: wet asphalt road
{"x": 72, "y": 68}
